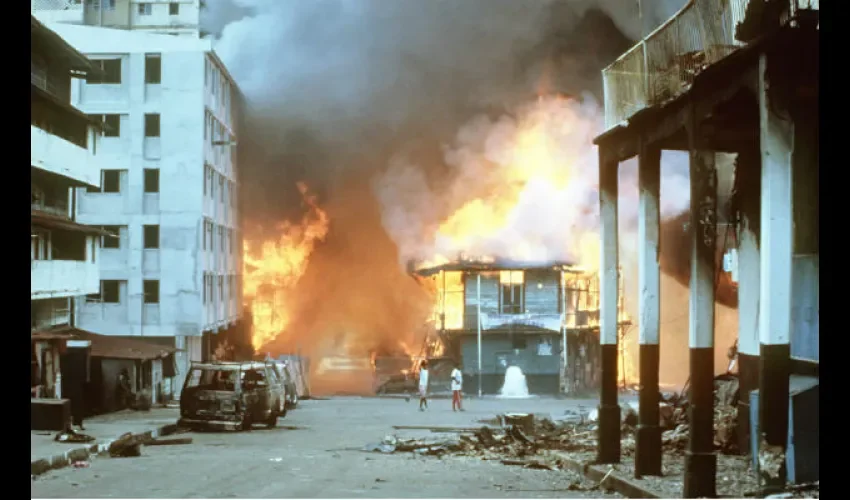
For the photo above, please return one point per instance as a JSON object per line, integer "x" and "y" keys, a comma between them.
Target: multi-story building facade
{"x": 168, "y": 186}
{"x": 174, "y": 17}
{"x": 64, "y": 254}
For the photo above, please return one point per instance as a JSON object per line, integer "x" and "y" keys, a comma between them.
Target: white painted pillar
{"x": 776, "y": 136}
{"x": 609, "y": 409}
{"x": 648, "y": 439}
{"x": 748, "y": 181}
{"x": 700, "y": 460}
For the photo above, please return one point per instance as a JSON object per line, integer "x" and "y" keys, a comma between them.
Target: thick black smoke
{"x": 334, "y": 86}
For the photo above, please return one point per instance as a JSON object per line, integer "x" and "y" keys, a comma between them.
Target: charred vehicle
{"x": 288, "y": 381}
{"x": 231, "y": 396}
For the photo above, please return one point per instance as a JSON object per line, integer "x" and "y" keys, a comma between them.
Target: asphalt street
{"x": 315, "y": 452}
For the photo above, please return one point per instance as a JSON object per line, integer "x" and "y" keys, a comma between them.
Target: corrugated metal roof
{"x": 108, "y": 346}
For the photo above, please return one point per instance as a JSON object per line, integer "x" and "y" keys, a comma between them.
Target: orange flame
{"x": 273, "y": 268}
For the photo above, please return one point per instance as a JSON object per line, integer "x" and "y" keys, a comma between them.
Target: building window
{"x": 174, "y": 9}
{"x": 230, "y": 240}
{"x": 221, "y": 288}
{"x": 230, "y": 192}
{"x": 153, "y": 68}
{"x": 208, "y": 235}
{"x": 151, "y": 180}
{"x": 111, "y": 241}
{"x": 211, "y": 181}
{"x": 518, "y": 342}
{"x": 210, "y": 287}
{"x": 221, "y": 237}
{"x": 110, "y": 70}
{"x": 152, "y": 125}
{"x": 221, "y": 187}
{"x": 151, "y": 291}
{"x": 111, "y": 181}
{"x": 206, "y": 280}
{"x": 144, "y": 9}
{"x": 110, "y": 291}
{"x": 111, "y": 124}
{"x": 511, "y": 292}
{"x": 151, "y": 236}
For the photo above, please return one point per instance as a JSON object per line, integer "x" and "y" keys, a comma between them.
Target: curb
{"x": 60, "y": 460}
{"x": 607, "y": 478}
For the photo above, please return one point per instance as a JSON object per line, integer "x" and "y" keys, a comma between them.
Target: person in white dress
{"x": 423, "y": 386}
{"x": 457, "y": 385}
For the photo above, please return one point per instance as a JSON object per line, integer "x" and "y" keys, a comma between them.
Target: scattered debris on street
{"x": 127, "y": 445}
{"x": 72, "y": 436}
{"x": 168, "y": 441}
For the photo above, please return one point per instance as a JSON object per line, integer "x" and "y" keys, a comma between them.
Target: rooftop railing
{"x": 664, "y": 64}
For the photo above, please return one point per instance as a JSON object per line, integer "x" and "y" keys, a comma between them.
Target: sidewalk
{"x": 46, "y": 454}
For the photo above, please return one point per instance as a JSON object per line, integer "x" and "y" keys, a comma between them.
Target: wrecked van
{"x": 231, "y": 396}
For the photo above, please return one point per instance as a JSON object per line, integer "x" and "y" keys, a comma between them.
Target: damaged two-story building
{"x": 493, "y": 314}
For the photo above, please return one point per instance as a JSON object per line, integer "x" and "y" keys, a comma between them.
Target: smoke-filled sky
{"x": 362, "y": 99}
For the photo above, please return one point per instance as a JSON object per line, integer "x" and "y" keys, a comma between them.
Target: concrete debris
{"x": 771, "y": 459}
{"x": 72, "y": 436}
{"x": 127, "y": 445}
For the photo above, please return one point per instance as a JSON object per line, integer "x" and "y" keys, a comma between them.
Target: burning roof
{"x": 492, "y": 264}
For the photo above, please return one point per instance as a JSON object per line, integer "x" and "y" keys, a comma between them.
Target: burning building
{"x": 492, "y": 314}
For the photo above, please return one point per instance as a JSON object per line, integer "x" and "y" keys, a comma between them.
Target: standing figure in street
{"x": 423, "y": 386}
{"x": 457, "y": 385}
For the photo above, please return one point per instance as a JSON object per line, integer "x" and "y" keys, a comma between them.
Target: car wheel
{"x": 295, "y": 401}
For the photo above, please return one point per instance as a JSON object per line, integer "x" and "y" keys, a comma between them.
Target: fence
{"x": 664, "y": 64}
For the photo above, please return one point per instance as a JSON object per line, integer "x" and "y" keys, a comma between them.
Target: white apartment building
{"x": 168, "y": 187}
{"x": 64, "y": 254}
{"x": 171, "y": 17}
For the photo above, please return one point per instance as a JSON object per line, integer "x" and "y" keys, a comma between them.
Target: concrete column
{"x": 648, "y": 440}
{"x": 609, "y": 410}
{"x": 748, "y": 195}
{"x": 776, "y": 136}
{"x": 700, "y": 460}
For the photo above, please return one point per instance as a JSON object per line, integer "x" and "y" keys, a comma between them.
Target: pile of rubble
{"x": 523, "y": 439}
{"x": 519, "y": 440}
{"x": 674, "y": 418}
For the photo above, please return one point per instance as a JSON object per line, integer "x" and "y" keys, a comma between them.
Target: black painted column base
{"x": 648, "y": 451}
{"x": 608, "y": 443}
{"x": 608, "y": 447}
{"x": 774, "y": 371}
{"x": 748, "y": 380}
{"x": 700, "y": 460}
{"x": 700, "y": 474}
{"x": 648, "y": 438}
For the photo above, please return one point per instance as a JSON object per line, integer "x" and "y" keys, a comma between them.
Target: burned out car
{"x": 231, "y": 396}
{"x": 289, "y": 383}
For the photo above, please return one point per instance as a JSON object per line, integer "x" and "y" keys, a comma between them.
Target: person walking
{"x": 457, "y": 385}
{"x": 423, "y": 386}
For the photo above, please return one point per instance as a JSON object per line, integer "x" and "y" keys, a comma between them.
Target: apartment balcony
{"x": 56, "y": 155}
{"x": 663, "y": 65}
{"x": 58, "y": 11}
{"x": 63, "y": 278}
